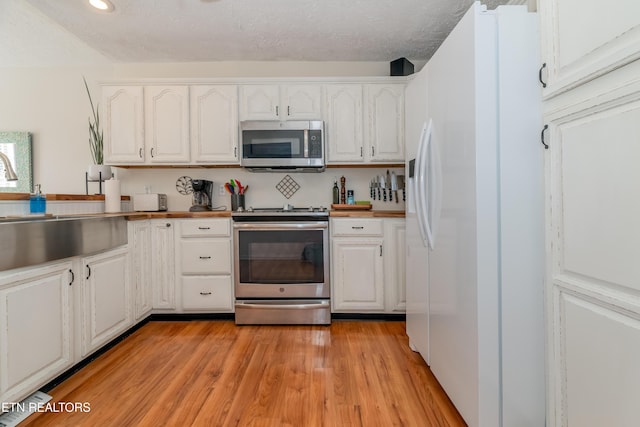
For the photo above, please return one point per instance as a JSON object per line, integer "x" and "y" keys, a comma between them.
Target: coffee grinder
{"x": 202, "y": 195}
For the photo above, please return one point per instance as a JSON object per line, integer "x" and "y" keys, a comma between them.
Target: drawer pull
{"x": 204, "y": 228}
{"x": 357, "y": 228}
{"x": 205, "y": 293}
{"x": 205, "y": 257}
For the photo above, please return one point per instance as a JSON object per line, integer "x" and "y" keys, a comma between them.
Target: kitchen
{"x": 584, "y": 283}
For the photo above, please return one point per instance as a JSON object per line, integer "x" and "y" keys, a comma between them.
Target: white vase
{"x": 93, "y": 173}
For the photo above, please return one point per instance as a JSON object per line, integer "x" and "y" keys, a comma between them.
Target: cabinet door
{"x": 140, "y": 244}
{"x": 583, "y": 40}
{"x": 214, "y": 124}
{"x": 300, "y": 102}
{"x": 106, "y": 298}
{"x": 207, "y": 293}
{"x": 123, "y": 124}
{"x": 394, "y": 265}
{"x": 343, "y": 123}
{"x": 167, "y": 123}
{"x": 163, "y": 264}
{"x": 357, "y": 272}
{"x": 35, "y": 328}
{"x": 259, "y": 102}
{"x": 384, "y": 122}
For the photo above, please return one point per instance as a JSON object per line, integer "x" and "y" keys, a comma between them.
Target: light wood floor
{"x": 213, "y": 373}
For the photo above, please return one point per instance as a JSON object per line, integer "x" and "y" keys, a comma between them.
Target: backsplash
{"x": 315, "y": 189}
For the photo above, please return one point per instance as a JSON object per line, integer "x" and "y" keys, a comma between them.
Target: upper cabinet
{"x": 281, "y": 102}
{"x": 167, "y": 123}
{"x": 373, "y": 133}
{"x": 123, "y": 124}
{"x": 576, "y": 51}
{"x": 214, "y": 124}
{"x": 384, "y": 122}
{"x": 343, "y": 123}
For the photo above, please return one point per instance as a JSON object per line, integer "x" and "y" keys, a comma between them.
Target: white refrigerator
{"x": 475, "y": 270}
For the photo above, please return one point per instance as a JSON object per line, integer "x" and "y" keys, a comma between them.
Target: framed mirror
{"x": 17, "y": 147}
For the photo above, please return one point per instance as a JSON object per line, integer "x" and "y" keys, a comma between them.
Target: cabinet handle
{"x": 380, "y": 250}
{"x": 373, "y": 151}
{"x": 546, "y": 146}
{"x": 204, "y": 228}
{"x": 140, "y": 152}
{"x": 205, "y": 293}
{"x": 544, "y": 85}
{"x": 235, "y": 151}
{"x": 88, "y": 271}
{"x": 356, "y": 228}
{"x": 168, "y": 224}
{"x": 205, "y": 257}
{"x": 360, "y": 151}
{"x": 288, "y": 110}
{"x": 73, "y": 277}
{"x": 151, "y": 152}
{"x": 277, "y": 111}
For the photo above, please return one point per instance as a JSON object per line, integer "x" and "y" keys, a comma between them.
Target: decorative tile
{"x": 287, "y": 186}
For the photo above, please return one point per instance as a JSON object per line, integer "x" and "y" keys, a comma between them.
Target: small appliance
{"x": 202, "y": 195}
{"x": 295, "y": 145}
{"x": 150, "y": 202}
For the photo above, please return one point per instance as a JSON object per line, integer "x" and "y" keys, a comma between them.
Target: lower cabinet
{"x": 204, "y": 265}
{"x": 367, "y": 265}
{"x": 106, "y": 298}
{"x": 36, "y": 331}
{"x": 161, "y": 256}
{"x": 139, "y": 249}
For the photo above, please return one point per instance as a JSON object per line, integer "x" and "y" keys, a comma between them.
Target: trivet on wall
{"x": 287, "y": 186}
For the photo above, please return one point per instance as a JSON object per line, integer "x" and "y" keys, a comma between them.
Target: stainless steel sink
{"x": 35, "y": 240}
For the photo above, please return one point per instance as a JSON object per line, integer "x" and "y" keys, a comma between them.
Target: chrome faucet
{"x": 9, "y": 173}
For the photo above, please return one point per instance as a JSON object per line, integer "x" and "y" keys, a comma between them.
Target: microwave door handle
{"x": 306, "y": 143}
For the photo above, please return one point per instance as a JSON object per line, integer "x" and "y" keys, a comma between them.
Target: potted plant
{"x": 98, "y": 170}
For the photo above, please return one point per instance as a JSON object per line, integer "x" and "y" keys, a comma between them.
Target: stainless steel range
{"x": 282, "y": 266}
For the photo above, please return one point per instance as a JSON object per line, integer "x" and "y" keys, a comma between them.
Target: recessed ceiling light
{"x": 103, "y": 5}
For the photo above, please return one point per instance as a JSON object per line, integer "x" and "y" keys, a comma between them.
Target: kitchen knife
{"x": 378, "y": 187}
{"x": 384, "y": 188}
{"x": 388, "y": 181}
{"x": 394, "y": 185}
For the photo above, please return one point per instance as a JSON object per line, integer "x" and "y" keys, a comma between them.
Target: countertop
{"x": 50, "y": 196}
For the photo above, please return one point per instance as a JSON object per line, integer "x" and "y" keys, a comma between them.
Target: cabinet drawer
{"x": 205, "y": 227}
{"x": 205, "y": 256}
{"x": 356, "y": 227}
{"x": 207, "y": 293}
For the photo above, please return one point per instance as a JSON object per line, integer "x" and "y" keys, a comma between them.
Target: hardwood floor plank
{"x": 214, "y": 373}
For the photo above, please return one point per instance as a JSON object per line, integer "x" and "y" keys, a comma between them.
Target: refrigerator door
{"x": 417, "y": 266}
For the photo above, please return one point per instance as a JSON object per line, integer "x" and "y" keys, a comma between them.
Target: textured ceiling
{"x": 261, "y": 30}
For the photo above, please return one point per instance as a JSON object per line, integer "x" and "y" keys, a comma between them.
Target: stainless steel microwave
{"x": 296, "y": 145}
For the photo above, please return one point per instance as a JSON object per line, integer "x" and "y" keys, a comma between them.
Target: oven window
{"x": 281, "y": 256}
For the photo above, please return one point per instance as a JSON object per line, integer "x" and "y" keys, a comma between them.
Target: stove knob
{"x": 322, "y": 209}
{"x": 310, "y": 209}
{"x": 250, "y": 209}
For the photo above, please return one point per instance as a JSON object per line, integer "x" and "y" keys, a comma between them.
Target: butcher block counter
{"x": 365, "y": 214}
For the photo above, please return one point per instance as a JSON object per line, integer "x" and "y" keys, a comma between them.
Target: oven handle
{"x": 281, "y": 225}
{"x": 297, "y": 305}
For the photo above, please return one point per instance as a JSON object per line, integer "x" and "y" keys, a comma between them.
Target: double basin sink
{"x": 26, "y": 241}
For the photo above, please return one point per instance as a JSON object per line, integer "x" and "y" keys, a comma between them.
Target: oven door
{"x": 281, "y": 260}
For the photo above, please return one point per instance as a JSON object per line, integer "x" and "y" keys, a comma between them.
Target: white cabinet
{"x": 357, "y": 265}
{"x": 370, "y": 133}
{"x": 161, "y": 255}
{"x": 384, "y": 122}
{"x": 167, "y": 123}
{"x": 394, "y": 265}
{"x": 140, "y": 247}
{"x": 343, "y": 123}
{"x": 592, "y": 109}
{"x": 214, "y": 124}
{"x": 123, "y": 110}
{"x": 582, "y": 41}
{"x": 204, "y": 266}
{"x": 281, "y": 102}
{"x": 36, "y": 332}
{"x": 106, "y": 298}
